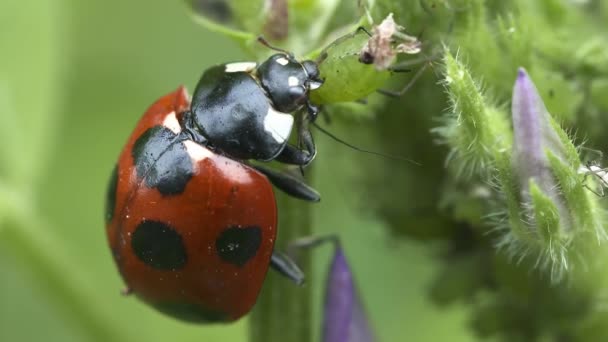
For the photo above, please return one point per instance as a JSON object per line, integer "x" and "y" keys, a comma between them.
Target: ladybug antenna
{"x": 264, "y": 42}
{"x": 332, "y": 136}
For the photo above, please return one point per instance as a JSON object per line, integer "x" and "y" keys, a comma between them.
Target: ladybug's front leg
{"x": 285, "y": 265}
{"x": 313, "y": 111}
{"x": 289, "y": 184}
{"x": 295, "y": 155}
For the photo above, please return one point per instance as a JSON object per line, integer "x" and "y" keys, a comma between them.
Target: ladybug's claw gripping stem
{"x": 296, "y": 156}
{"x": 289, "y": 184}
{"x": 287, "y": 267}
{"x": 307, "y": 141}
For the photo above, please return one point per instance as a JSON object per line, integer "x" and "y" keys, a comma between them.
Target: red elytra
{"x": 225, "y": 207}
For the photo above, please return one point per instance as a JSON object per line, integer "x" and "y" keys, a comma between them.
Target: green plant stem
{"x": 28, "y": 239}
{"x": 240, "y": 36}
{"x": 283, "y": 310}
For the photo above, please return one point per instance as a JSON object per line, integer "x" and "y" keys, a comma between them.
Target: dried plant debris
{"x": 385, "y": 42}
{"x": 277, "y": 19}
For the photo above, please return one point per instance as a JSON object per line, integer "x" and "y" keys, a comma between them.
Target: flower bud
{"x": 344, "y": 319}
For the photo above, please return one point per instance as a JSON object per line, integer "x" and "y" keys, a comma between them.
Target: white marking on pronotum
{"x": 196, "y": 151}
{"x": 278, "y": 124}
{"x": 171, "y": 123}
{"x": 240, "y": 67}
{"x": 293, "y": 81}
{"x": 282, "y": 60}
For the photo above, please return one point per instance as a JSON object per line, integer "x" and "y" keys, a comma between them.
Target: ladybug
{"x": 190, "y": 221}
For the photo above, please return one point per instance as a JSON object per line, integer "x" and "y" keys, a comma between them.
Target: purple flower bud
{"x": 345, "y": 319}
{"x": 533, "y": 136}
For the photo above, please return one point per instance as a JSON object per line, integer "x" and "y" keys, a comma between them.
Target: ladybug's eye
{"x": 311, "y": 69}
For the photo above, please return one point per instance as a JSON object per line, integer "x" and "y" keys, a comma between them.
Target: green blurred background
{"x": 75, "y": 76}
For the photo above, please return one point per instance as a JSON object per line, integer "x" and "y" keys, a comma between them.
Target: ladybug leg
{"x": 313, "y": 111}
{"x": 289, "y": 184}
{"x": 295, "y": 155}
{"x": 287, "y": 267}
{"x": 312, "y": 242}
{"x": 304, "y": 136}
{"x": 307, "y": 141}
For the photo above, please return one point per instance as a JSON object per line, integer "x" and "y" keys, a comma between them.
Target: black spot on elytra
{"x": 163, "y": 160}
{"x": 191, "y": 312}
{"x": 238, "y": 245}
{"x": 111, "y": 194}
{"x": 158, "y": 245}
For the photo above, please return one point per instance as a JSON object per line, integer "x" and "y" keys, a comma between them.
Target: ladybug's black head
{"x": 288, "y": 81}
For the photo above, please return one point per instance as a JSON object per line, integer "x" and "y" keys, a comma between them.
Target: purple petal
{"x": 359, "y": 329}
{"x": 345, "y": 319}
{"x": 532, "y": 135}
